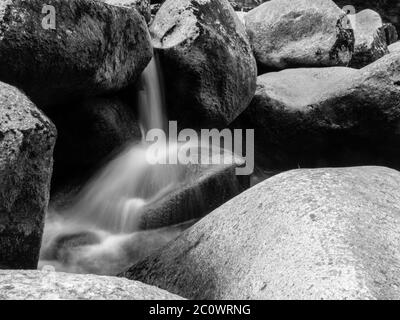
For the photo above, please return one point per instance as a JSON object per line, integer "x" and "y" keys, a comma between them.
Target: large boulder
{"x": 370, "y": 38}
{"x": 300, "y": 33}
{"x": 142, "y": 6}
{"x": 90, "y": 131}
{"x": 304, "y": 234}
{"x": 49, "y": 285}
{"x": 207, "y": 61}
{"x": 27, "y": 139}
{"x": 327, "y": 116}
{"x": 93, "y": 48}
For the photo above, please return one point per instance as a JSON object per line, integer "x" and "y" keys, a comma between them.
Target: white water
{"x": 106, "y": 213}
{"x": 98, "y": 232}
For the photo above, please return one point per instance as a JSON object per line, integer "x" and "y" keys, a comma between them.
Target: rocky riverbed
{"x": 84, "y": 82}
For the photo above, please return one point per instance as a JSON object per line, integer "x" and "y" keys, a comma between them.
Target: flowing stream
{"x": 99, "y": 233}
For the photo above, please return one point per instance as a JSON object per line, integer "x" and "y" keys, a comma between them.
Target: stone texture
{"x": 370, "y": 37}
{"x": 47, "y": 285}
{"x": 327, "y": 116}
{"x": 303, "y": 234}
{"x": 299, "y": 33}
{"x": 207, "y": 61}
{"x": 142, "y": 6}
{"x": 27, "y": 139}
{"x": 95, "y": 48}
{"x": 395, "y": 47}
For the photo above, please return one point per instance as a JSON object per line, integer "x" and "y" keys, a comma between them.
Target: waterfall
{"x": 98, "y": 232}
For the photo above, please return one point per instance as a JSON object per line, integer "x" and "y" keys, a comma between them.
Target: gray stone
{"x": 300, "y": 33}
{"x": 370, "y": 38}
{"x": 48, "y": 285}
{"x": 304, "y": 234}
{"x": 207, "y": 61}
{"x": 27, "y": 140}
{"x": 395, "y": 47}
{"x": 390, "y": 33}
{"x": 327, "y": 116}
{"x": 94, "y": 48}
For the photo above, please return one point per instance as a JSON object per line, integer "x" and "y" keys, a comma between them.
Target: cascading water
{"x": 99, "y": 233}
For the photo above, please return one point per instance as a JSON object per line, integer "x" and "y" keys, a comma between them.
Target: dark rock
{"x": 90, "y": 132}
{"x": 371, "y": 42}
{"x": 245, "y": 5}
{"x": 27, "y": 139}
{"x": 304, "y": 234}
{"x": 203, "y": 189}
{"x": 207, "y": 62}
{"x": 98, "y": 252}
{"x": 327, "y": 116}
{"x": 48, "y": 285}
{"x": 94, "y": 48}
{"x": 390, "y": 33}
{"x": 299, "y": 33}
